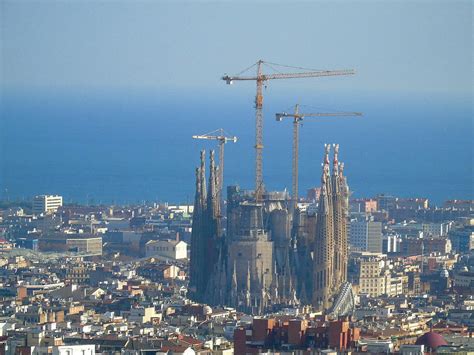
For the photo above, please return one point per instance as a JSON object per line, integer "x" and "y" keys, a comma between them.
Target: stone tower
{"x": 330, "y": 240}
{"x": 206, "y": 233}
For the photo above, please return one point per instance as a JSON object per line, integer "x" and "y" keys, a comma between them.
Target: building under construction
{"x": 266, "y": 255}
{"x": 270, "y": 252}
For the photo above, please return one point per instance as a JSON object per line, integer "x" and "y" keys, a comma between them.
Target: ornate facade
{"x": 267, "y": 256}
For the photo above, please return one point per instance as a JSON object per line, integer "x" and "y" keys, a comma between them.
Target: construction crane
{"x": 261, "y": 78}
{"x": 220, "y": 136}
{"x": 297, "y": 120}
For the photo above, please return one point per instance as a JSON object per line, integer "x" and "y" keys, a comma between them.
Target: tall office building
{"x": 46, "y": 203}
{"x": 366, "y": 235}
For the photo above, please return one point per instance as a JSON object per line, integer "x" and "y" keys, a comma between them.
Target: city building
{"x": 462, "y": 236}
{"x": 46, "y": 203}
{"x": 436, "y": 229}
{"x": 412, "y": 203}
{"x": 5, "y": 246}
{"x": 391, "y": 243}
{"x": 363, "y": 205}
{"x": 81, "y": 243}
{"x": 64, "y": 350}
{"x": 295, "y": 336}
{"x": 373, "y": 276}
{"x": 312, "y": 194}
{"x": 464, "y": 280}
{"x": 90, "y": 245}
{"x": 417, "y": 246}
{"x": 366, "y": 235}
{"x": 171, "y": 249}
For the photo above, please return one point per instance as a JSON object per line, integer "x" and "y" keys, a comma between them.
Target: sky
{"x": 102, "y": 97}
{"x": 408, "y": 46}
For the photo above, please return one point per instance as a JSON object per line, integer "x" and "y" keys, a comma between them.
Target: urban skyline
{"x": 339, "y": 220}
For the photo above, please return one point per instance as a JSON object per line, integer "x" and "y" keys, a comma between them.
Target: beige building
{"x": 88, "y": 245}
{"x": 395, "y": 285}
{"x": 143, "y": 315}
{"x": 373, "y": 276}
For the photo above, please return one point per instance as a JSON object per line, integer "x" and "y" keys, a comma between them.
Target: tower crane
{"x": 297, "y": 120}
{"x": 261, "y": 78}
{"x": 220, "y": 136}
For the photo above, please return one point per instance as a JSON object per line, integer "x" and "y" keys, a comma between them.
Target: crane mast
{"x": 297, "y": 119}
{"x": 260, "y": 78}
{"x": 259, "y": 135}
{"x": 294, "y": 163}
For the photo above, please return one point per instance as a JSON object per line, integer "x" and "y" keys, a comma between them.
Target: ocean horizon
{"x": 122, "y": 146}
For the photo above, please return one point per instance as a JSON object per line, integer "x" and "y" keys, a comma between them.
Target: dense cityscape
{"x": 240, "y": 271}
{"x": 126, "y": 279}
{"x": 353, "y": 235}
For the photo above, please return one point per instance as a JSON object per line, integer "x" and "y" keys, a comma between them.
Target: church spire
{"x": 234, "y": 277}
{"x": 248, "y": 276}
{"x": 323, "y": 200}
{"x": 195, "y": 233}
{"x": 327, "y": 149}
{"x": 330, "y": 254}
{"x": 202, "y": 177}
{"x": 248, "y": 299}
{"x": 263, "y": 296}
{"x": 212, "y": 182}
{"x": 335, "y": 162}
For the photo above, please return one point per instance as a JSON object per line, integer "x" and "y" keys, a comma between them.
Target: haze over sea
{"x": 127, "y": 146}
{"x": 99, "y": 99}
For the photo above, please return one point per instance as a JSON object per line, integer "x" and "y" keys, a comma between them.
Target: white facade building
{"x": 172, "y": 249}
{"x": 412, "y": 349}
{"x": 64, "y": 350}
{"x": 391, "y": 243}
{"x": 46, "y": 203}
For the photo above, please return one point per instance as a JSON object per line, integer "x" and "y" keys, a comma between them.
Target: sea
{"x": 121, "y": 146}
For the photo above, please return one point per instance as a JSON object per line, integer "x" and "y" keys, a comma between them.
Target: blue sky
{"x": 410, "y": 46}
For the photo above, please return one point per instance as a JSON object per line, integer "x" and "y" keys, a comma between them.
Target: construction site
{"x": 259, "y": 250}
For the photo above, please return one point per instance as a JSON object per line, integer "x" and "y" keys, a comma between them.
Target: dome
{"x": 431, "y": 340}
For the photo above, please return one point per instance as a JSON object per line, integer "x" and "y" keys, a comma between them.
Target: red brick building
{"x": 294, "y": 334}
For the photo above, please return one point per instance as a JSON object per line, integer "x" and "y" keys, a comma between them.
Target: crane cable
{"x": 293, "y": 67}
{"x": 246, "y": 69}
{"x": 270, "y": 65}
